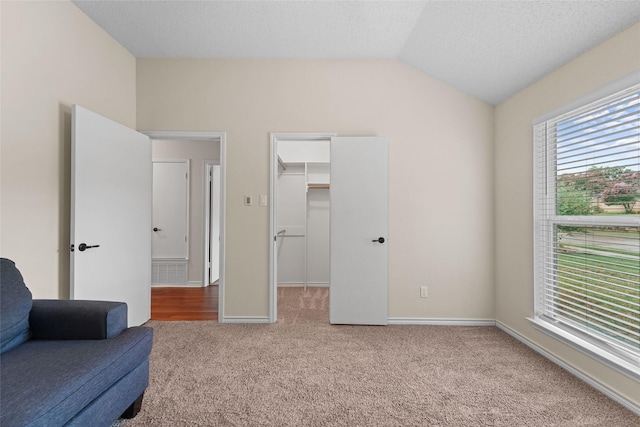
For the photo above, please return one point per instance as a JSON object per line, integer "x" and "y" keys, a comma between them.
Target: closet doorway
{"x": 353, "y": 172}
{"x": 302, "y": 226}
{"x": 300, "y": 209}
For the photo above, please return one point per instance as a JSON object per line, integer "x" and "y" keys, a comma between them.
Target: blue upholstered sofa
{"x": 67, "y": 363}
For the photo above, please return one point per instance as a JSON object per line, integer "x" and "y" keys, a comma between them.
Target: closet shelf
{"x": 318, "y": 186}
{"x": 281, "y": 163}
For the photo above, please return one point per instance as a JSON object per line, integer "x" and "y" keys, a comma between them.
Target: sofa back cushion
{"x": 15, "y": 305}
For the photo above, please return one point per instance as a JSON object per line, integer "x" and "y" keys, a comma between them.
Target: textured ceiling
{"x": 489, "y": 49}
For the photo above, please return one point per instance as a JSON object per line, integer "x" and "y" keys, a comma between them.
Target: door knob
{"x": 83, "y": 246}
{"x": 379, "y": 240}
{"x": 156, "y": 229}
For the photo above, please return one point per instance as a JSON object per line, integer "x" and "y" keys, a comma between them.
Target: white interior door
{"x": 170, "y": 217}
{"x": 214, "y": 231}
{"x": 358, "y": 293}
{"x": 110, "y": 213}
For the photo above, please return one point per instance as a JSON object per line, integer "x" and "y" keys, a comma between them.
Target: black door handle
{"x": 83, "y": 246}
{"x": 379, "y": 240}
{"x": 156, "y": 229}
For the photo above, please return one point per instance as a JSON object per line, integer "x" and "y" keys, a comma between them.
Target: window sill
{"x": 608, "y": 358}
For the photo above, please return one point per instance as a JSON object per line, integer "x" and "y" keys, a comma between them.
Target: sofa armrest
{"x": 77, "y": 319}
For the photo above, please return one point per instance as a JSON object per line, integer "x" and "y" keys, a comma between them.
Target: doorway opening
{"x": 358, "y": 224}
{"x": 300, "y": 214}
{"x": 199, "y": 269}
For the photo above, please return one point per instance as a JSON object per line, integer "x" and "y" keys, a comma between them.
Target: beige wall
{"x": 197, "y": 152}
{"x": 612, "y": 60}
{"x": 440, "y": 163}
{"x": 52, "y": 56}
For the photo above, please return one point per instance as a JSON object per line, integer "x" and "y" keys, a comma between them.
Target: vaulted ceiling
{"x": 489, "y": 49}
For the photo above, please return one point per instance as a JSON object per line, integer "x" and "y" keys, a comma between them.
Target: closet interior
{"x": 303, "y": 213}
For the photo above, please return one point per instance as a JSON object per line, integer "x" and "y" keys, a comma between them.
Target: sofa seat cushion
{"x": 48, "y": 382}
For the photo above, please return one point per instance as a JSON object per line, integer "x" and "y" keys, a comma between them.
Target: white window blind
{"x": 587, "y": 223}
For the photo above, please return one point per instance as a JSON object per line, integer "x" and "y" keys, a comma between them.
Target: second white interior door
{"x": 170, "y": 209}
{"x": 212, "y": 217}
{"x": 358, "y": 231}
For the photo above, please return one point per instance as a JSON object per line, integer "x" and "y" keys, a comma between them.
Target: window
{"x": 587, "y": 228}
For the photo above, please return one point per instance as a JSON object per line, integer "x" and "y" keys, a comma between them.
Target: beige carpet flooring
{"x": 304, "y": 372}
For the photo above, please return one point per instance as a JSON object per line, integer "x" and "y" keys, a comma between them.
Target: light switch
{"x": 248, "y": 200}
{"x": 263, "y": 200}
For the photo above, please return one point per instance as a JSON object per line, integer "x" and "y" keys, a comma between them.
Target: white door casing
{"x": 170, "y": 215}
{"x": 111, "y": 180}
{"x": 359, "y": 222}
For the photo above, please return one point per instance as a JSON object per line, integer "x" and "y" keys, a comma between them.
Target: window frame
{"x": 621, "y": 359}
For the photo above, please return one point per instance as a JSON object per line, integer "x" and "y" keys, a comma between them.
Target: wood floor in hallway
{"x": 180, "y": 303}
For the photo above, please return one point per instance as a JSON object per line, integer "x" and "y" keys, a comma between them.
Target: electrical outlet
{"x": 263, "y": 200}
{"x": 424, "y": 292}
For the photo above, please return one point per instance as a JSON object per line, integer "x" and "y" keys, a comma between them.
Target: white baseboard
{"x": 178, "y": 285}
{"x": 244, "y": 319}
{"x": 299, "y": 285}
{"x": 611, "y": 394}
{"x": 440, "y": 322}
